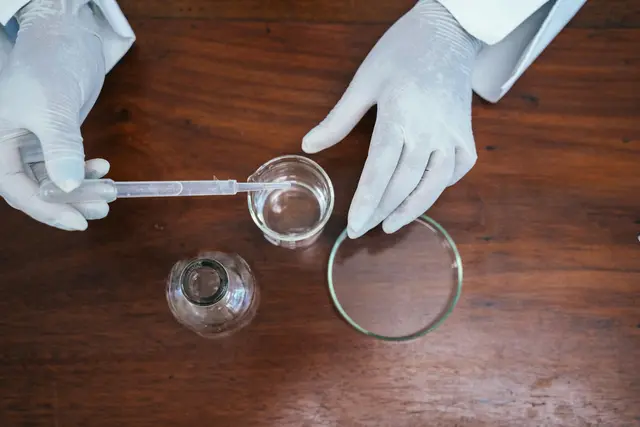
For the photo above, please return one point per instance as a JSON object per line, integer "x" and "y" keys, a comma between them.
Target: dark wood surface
{"x": 547, "y": 332}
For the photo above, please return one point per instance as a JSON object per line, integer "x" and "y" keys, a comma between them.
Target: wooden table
{"x": 548, "y": 328}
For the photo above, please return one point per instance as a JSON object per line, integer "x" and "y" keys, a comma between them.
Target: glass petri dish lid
{"x": 396, "y": 287}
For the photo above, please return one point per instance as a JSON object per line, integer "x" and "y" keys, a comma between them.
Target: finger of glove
{"x": 61, "y": 143}
{"x": 384, "y": 153}
{"x": 464, "y": 161}
{"x": 356, "y": 101}
{"x": 21, "y": 192}
{"x": 411, "y": 167}
{"x": 434, "y": 181}
{"x": 94, "y": 169}
{"x": 92, "y": 210}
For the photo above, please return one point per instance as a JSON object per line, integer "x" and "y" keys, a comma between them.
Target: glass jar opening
{"x": 204, "y": 281}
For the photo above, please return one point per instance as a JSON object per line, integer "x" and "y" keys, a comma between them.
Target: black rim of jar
{"x": 197, "y": 264}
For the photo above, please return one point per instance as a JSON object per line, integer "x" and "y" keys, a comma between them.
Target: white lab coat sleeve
{"x": 491, "y": 20}
{"x": 116, "y": 33}
{"x": 515, "y": 33}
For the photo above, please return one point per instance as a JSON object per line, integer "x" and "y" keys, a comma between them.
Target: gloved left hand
{"x": 52, "y": 78}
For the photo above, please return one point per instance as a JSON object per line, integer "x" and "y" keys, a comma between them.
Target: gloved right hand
{"x": 419, "y": 75}
{"x": 51, "y": 80}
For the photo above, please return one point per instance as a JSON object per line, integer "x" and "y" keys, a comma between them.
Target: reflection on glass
{"x": 213, "y": 294}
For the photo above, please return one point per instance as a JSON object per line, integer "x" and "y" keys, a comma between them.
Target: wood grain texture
{"x": 596, "y": 14}
{"x": 547, "y": 332}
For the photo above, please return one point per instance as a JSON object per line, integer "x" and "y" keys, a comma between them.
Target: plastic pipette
{"x": 95, "y": 190}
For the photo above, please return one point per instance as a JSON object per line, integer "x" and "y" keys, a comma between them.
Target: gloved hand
{"x": 52, "y": 78}
{"x": 419, "y": 75}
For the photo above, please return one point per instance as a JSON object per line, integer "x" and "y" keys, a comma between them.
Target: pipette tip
{"x": 277, "y": 185}
{"x": 264, "y": 186}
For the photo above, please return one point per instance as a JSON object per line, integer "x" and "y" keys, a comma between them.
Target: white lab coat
{"x": 515, "y": 31}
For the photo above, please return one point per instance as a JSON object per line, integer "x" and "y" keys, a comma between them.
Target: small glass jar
{"x": 214, "y": 294}
{"x": 292, "y": 218}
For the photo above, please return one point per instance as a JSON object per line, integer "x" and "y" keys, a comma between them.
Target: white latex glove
{"x": 51, "y": 80}
{"x": 419, "y": 75}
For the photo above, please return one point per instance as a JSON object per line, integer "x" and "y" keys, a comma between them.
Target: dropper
{"x": 96, "y": 190}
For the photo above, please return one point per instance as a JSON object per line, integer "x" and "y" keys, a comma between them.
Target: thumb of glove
{"x": 61, "y": 143}
{"x": 355, "y": 102}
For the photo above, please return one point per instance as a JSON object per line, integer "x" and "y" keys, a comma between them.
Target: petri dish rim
{"x": 319, "y": 225}
{"x": 430, "y": 327}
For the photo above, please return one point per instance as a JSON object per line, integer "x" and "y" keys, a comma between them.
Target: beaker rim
{"x": 323, "y": 220}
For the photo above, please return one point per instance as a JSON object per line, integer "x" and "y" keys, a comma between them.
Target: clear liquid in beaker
{"x": 296, "y": 216}
{"x": 292, "y": 211}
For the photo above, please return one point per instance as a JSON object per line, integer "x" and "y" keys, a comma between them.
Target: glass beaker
{"x": 295, "y": 217}
{"x": 214, "y": 294}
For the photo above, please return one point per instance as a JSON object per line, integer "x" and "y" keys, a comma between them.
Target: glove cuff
{"x": 455, "y": 51}
{"x": 448, "y": 29}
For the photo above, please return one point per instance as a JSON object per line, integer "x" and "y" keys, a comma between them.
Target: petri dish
{"x": 293, "y": 218}
{"x": 396, "y": 287}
